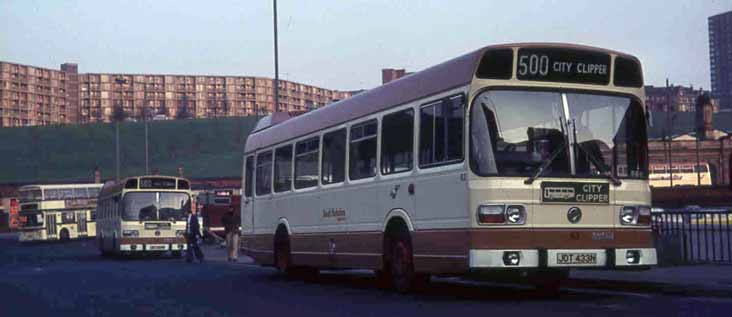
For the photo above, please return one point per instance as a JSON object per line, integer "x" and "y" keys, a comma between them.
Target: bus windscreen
{"x": 156, "y": 206}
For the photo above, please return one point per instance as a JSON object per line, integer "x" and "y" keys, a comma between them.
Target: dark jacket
{"x": 193, "y": 227}
{"x": 231, "y": 222}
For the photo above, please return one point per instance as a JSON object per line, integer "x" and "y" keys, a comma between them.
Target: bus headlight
{"x": 516, "y": 215}
{"x": 644, "y": 215}
{"x": 491, "y": 214}
{"x": 628, "y": 215}
{"x": 635, "y": 215}
{"x": 130, "y": 233}
{"x": 179, "y": 233}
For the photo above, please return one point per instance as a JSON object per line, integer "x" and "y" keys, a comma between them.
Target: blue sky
{"x": 344, "y": 44}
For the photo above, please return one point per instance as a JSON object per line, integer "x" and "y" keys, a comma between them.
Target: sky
{"x": 345, "y": 44}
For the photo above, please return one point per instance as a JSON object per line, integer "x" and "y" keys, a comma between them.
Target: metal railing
{"x": 694, "y": 237}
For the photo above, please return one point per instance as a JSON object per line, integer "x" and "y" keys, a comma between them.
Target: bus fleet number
{"x": 533, "y": 65}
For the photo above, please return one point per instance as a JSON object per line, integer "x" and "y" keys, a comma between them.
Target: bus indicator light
{"x": 491, "y": 214}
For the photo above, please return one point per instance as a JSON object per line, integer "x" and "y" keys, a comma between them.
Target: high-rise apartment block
{"x": 39, "y": 96}
{"x": 720, "y": 58}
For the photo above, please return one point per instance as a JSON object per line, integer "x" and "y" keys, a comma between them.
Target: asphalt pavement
{"x": 71, "y": 279}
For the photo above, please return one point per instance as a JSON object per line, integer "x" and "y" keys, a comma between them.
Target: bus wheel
{"x": 100, "y": 243}
{"x": 400, "y": 262}
{"x": 282, "y": 250}
{"x": 64, "y": 235}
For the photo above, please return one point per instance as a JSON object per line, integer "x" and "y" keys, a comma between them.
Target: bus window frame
{"x": 364, "y": 121}
{"x": 418, "y": 133}
{"x": 308, "y": 138}
{"x": 380, "y": 141}
{"x": 291, "y": 168}
{"x": 338, "y": 128}
{"x": 271, "y": 171}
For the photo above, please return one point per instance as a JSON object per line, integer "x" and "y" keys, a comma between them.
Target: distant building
{"x": 391, "y": 74}
{"x": 720, "y": 58}
{"x": 674, "y": 98}
{"x": 38, "y": 96}
{"x": 32, "y": 95}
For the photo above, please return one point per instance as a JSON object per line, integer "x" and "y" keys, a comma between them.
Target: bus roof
{"x": 58, "y": 186}
{"x": 447, "y": 75}
{"x": 114, "y": 187}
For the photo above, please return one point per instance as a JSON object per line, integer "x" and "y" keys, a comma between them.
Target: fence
{"x": 694, "y": 237}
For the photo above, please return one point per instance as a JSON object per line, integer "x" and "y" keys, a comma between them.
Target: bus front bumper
{"x": 152, "y": 244}
{"x": 563, "y": 258}
{"x": 31, "y": 235}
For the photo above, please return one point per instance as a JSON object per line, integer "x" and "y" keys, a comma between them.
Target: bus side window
{"x": 333, "y": 167}
{"x": 441, "y": 132}
{"x": 263, "y": 180}
{"x": 283, "y": 169}
{"x": 397, "y": 140}
{"x": 306, "y": 163}
{"x": 362, "y": 150}
{"x": 248, "y": 176}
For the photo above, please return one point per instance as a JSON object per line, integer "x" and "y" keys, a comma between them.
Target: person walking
{"x": 232, "y": 222}
{"x": 193, "y": 234}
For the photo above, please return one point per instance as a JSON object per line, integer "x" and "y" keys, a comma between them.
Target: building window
{"x": 283, "y": 169}
{"x": 397, "y": 142}
{"x": 441, "y": 132}
{"x": 362, "y": 150}
{"x": 333, "y": 167}
{"x": 264, "y": 173}
{"x": 306, "y": 163}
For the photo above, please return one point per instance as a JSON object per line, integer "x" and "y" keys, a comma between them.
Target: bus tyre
{"x": 102, "y": 251}
{"x": 399, "y": 266}
{"x": 63, "y": 235}
{"x": 282, "y": 251}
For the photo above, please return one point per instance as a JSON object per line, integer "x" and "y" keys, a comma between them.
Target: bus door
{"x": 81, "y": 223}
{"x": 51, "y": 225}
{"x": 247, "y": 203}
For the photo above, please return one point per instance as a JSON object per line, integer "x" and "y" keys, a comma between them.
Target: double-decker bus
{"x": 683, "y": 174}
{"x": 505, "y": 158}
{"x": 215, "y": 203}
{"x": 143, "y": 215}
{"x": 57, "y": 212}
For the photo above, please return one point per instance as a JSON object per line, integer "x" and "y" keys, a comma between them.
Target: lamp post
{"x": 144, "y": 119}
{"x": 277, "y": 70}
{"x": 118, "y": 115}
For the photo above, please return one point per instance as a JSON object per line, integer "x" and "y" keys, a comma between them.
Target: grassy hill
{"x": 204, "y": 147}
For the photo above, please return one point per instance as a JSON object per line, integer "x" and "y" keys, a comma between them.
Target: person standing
{"x": 232, "y": 222}
{"x": 193, "y": 234}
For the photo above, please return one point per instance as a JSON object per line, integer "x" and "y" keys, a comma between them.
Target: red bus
{"x": 215, "y": 204}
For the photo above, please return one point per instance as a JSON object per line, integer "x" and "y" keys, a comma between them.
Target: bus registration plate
{"x": 576, "y": 258}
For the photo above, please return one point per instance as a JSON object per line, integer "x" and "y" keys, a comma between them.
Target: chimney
{"x": 704, "y": 118}
{"x": 97, "y": 175}
{"x": 180, "y": 170}
{"x": 391, "y": 74}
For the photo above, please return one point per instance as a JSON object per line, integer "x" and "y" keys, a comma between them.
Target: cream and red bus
{"x": 143, "y": 215}
{"x": 683, "y": 174}
{"x": 57, "y": 212}
{"x": 505, "y": 158}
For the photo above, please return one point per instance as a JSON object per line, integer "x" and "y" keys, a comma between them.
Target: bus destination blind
{"x": 563, "y": 65}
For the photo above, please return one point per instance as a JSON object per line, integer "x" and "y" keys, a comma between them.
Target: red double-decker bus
{"x": 215, "y": 203}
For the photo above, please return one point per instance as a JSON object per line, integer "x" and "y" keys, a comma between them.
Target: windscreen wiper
{"x": 546, "y": 163}
{"x": 551, "y": 157}
{"x": 600, "y": 166}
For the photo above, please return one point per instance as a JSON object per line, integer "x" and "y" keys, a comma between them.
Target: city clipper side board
{"x": 575, "y": 192}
